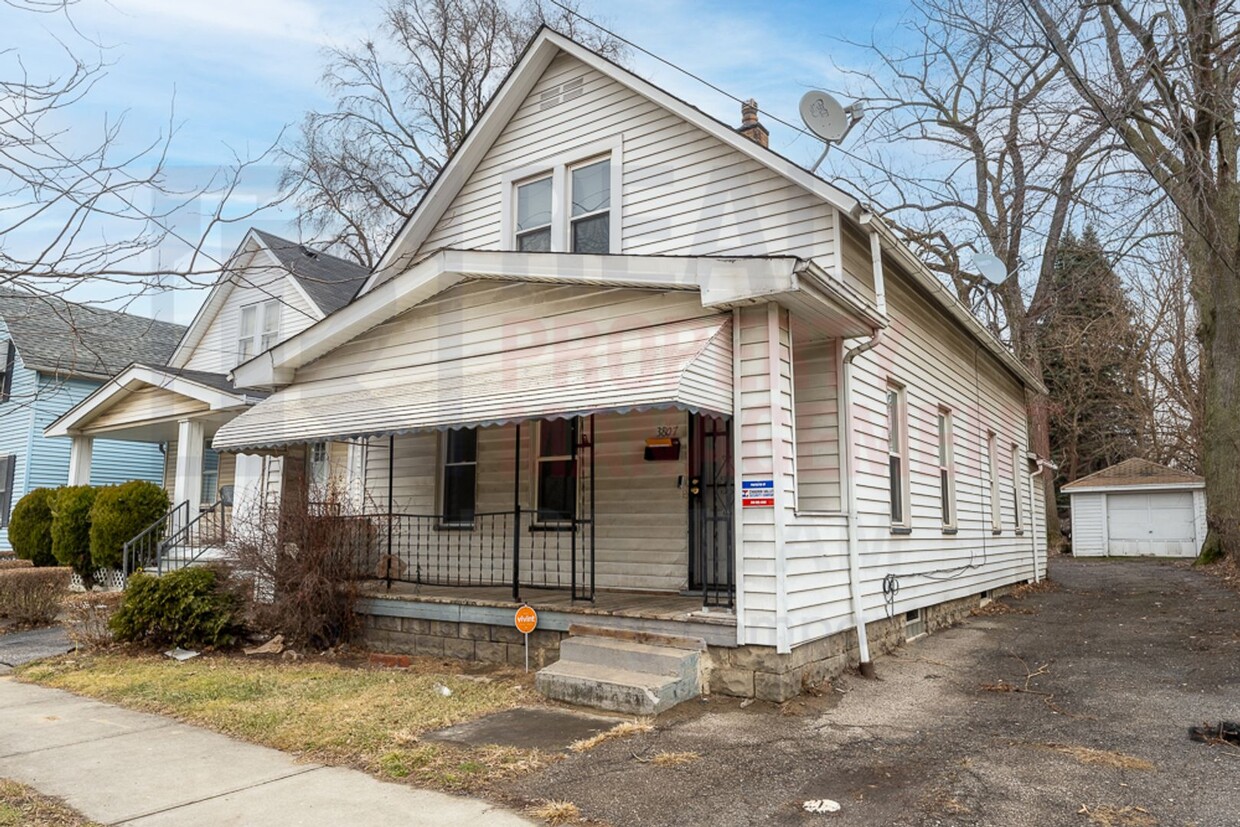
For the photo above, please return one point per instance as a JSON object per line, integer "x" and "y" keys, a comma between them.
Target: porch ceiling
{"x": 686, "y": 364}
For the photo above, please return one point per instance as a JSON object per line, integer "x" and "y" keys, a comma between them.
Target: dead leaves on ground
{"x": 1102, "y": 757}
{"x": 1104, "y": 815}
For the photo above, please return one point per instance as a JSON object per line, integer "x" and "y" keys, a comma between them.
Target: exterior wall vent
{"x": 561, "y": 92}
{"x": 914, "y": 625}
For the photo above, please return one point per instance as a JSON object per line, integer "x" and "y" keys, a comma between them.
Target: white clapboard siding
{"x": 1089, "y": 525}
{"x": 216, "y": 350}
{"x": 683, "y": 191}
{"x": 641, "y": 507}
{"x": 817, "y": 422}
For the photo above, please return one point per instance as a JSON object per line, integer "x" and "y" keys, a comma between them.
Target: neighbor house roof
{"x": 1135, "y": 471}
{"x": 53, "y": 335}
{"x": 330, "y": 281}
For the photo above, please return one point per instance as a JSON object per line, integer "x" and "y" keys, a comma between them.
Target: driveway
{"x": 1071, "y": 708}
{"x": 17, "y": 648}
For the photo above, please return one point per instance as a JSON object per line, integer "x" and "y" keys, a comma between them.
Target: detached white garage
{"x": 1138, "y": 508}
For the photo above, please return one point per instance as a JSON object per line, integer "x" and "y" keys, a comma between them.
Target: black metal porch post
{"x": 593, "y": 516}
{"x": 516, "y": 512}
{"x": 391, "y": 484}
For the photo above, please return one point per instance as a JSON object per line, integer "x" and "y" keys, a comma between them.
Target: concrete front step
{"x": 621, "y": 675}
{"x": 629, "y": 656}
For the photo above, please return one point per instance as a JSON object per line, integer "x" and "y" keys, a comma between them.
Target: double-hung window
{"x": 556, "y": 484}
{"x": 992, "y": 459}
{"x": 534, "y": 215}
{"x": 590, "y": 219}
{"x": 897, "y": 455}
{"x": 564, "y": 207}
{"x": 259, "y": 328}
{"x": 460, "y": 476}
{"x": 210, "y": 475}
{"x": 947, "y": 470}
{"x": 1017, "y": 510}
{"x": 319, "y": 470}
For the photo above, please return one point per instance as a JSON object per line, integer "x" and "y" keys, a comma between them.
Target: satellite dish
{"x": 828, "y": 119}
{"x": 824, "y": 116}
{"x": 991, "y": 267}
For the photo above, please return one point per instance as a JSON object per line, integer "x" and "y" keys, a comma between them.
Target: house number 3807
{"x": 669, "y": 430}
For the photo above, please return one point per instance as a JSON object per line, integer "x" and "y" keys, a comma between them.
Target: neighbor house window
{"x": 259, "y": 328}
{"x": 534, "y": 216}
{"x": 556, "y": 487}
{"x": 319, "y": 468}
{"x": 210, "y": 475}
{"x": 1016, "y": 486}
{"x": 590, "y": 219}
{"x": 992, "y": 460}
{"x": 947, "y": 470}
{"x": 460, "y": 476}
{"x": 7, "y": 466}
{"x": 8, "y": 358}
{"x": 897, "y": 455}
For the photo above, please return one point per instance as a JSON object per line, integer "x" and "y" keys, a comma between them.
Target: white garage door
{"x": 1159, "y": 524}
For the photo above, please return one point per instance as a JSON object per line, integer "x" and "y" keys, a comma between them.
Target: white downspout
{"x": 851, "y": 517}
{"x": 1033, "y": 509}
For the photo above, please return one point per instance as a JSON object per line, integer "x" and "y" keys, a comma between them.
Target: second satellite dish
{"x": 991, "y": 267}
{"x": 828, "y": 119}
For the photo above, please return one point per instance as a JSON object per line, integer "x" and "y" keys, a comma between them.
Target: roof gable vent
{"x": 561, "y": 92}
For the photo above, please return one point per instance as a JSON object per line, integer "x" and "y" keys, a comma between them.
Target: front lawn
{"x": 21, "y": 806}
{"x": 351, "y": 715}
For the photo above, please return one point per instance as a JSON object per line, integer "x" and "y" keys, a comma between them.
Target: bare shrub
{"x": 302, "y": 566}
{"x": 32, "y": 596}
{"x": 15, "y": 563}
{"x": 87, "y": 616}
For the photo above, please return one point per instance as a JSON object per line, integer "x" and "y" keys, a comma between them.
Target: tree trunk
{"x": 1040, "y": 440}
{"x": 1217, "y": 289}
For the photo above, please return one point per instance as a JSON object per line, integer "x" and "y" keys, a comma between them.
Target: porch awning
{"x": 685, "y": 364}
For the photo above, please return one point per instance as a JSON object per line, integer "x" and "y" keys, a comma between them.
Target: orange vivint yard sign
{"x": 526, "y": 620}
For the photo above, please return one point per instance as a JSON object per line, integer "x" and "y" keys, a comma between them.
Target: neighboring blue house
{"x": 53, "y": 354}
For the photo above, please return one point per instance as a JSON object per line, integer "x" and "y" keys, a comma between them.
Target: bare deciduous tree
{"x": 1165, "y": 80}
{"x": 404, "y": 101}
{"x": 1005, "y": 157}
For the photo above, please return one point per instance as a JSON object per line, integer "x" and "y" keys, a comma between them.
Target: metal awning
{"x": 686, "y": 365}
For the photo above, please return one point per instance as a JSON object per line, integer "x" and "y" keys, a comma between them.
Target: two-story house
{"x": 627, "y": 364}
{"x": 53, "y": 354}
{"x": 271, "y": 289}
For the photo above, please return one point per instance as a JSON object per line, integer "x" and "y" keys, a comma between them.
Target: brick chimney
{"x": 750, "y": 126}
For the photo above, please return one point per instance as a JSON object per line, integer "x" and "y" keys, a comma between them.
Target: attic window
{"x": 569, "y": 203}
{"x": 8, "y": 357}
{"x": 259, "y": 328}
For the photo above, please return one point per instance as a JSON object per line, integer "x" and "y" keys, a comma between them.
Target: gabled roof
{"x": 327, "y": 282}
{"x": 56, "y": 336}
{"x": 330, "y": 281}
{"x": 1136, "y": 471}
{"x": 513, "y": 92}
{"x": 539, "y": 53}
{"x": 214, "y": 389}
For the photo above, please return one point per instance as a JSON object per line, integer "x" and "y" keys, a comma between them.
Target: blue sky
{"x": 232, "y": 74}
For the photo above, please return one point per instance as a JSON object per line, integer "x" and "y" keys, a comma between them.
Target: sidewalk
{"x": 127, "y": 768}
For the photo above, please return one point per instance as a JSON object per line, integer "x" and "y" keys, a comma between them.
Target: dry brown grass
{"x": 366, "y": 718}
{"x": 1105, "y": 815}
{"x": 674, "y": 759}
{"x": 620, "y": 730}
{"x": 21, "y": 806}
{"x": 556, "y": 812}
{"x": 1103, "y": 757}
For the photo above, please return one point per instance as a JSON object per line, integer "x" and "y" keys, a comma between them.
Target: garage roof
{"x": 1135, "y": 471}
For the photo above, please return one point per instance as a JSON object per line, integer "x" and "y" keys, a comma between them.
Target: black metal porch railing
{"x": 502, "y": 548}
{"x": 177, "y": 539}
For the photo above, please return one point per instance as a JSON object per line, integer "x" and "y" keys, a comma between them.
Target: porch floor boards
{"x": 644, "y": 605}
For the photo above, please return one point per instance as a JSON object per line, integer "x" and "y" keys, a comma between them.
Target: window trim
{"x": 8, "y": 478}
{"x": 538, "y": 523}
{"x": 442, "y": 492}
{"x": 559, "y": 166}
{"x": 1019, "y": 514}
{"x": 261, "y": 309}
{"x": 996, "y": 502}
{"x": 901, "y": 426}
{"x": 947, "y": 467}
{"x": 8, "y": 364}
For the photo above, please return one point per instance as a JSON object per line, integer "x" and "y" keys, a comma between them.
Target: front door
{"x": 711, "y": 503}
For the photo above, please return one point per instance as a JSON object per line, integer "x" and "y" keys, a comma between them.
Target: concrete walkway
{"x": 121, "y": 767}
